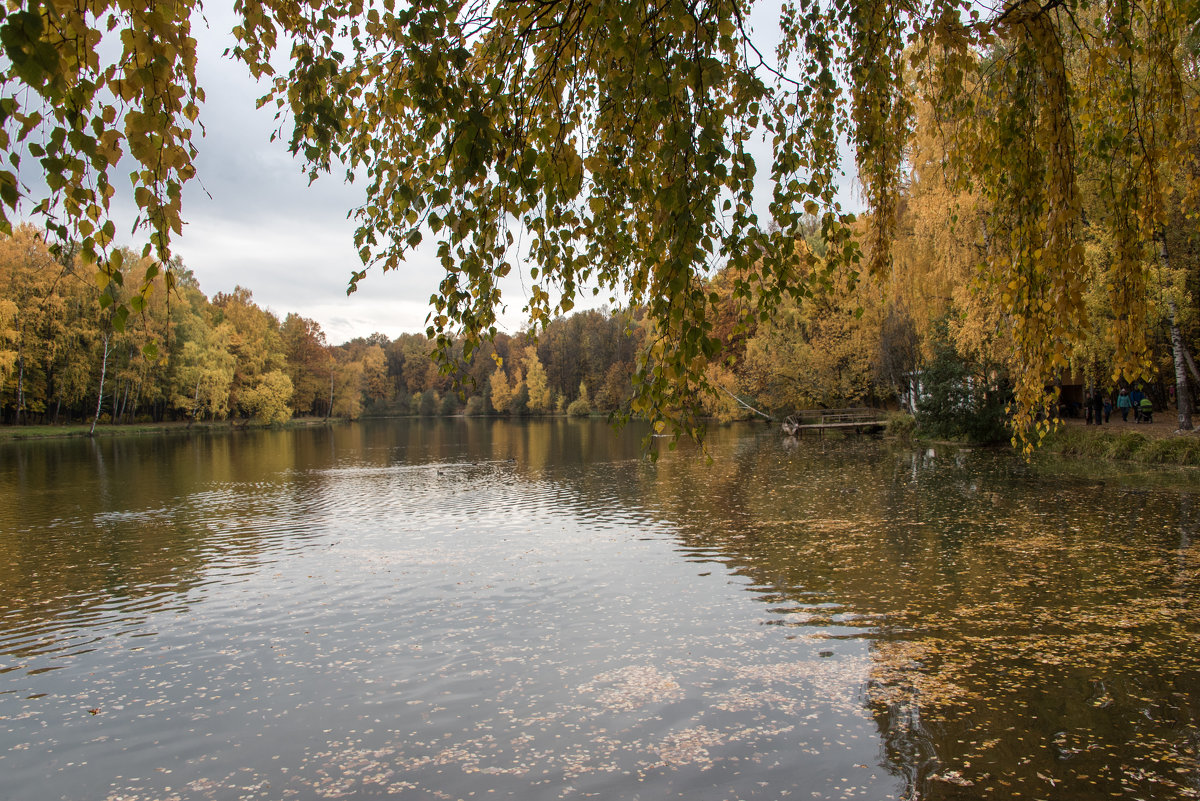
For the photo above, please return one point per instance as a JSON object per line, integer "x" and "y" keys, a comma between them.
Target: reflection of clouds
{"x": 399, "y": 608}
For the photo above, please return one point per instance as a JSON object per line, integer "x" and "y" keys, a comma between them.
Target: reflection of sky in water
{"x": 535, "y": 612}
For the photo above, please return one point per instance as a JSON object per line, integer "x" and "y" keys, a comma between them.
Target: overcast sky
{"x": 253, "y": 220}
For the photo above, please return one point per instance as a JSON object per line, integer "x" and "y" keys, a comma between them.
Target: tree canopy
{"x": 609, "y": 145}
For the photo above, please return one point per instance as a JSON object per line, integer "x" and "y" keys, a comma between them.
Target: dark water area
{"x": 484, "y": 609}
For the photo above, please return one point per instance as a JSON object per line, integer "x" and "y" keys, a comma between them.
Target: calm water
{"x": 474, "y": 609}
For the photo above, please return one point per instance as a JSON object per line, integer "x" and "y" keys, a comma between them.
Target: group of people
{"x": 1099, "y": 407}
{"x": 1142, "y": 406}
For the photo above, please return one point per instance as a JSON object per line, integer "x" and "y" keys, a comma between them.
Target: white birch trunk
{"x": 100, "y": 394}
{"x": 1183, "y": 398}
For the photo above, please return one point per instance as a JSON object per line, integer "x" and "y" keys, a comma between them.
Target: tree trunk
{"x": 137, "y": 395}
{"x": 119, "y": 399}
{"x": 100, "y": 394}
{"x": 1183, "y": 398}
{"x": 1187, "y": 357}
{"x": 20, "y": 382}
{"x": 195, "y": 404}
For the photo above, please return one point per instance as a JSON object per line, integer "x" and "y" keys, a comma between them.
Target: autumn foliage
{"x": 1028, "y": 172}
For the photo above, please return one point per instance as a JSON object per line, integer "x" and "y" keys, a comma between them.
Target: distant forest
{"x": 68, "y": 355}
{"x": 186, "y": 356}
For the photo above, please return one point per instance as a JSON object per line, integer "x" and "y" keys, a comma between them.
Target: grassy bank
{"x": 138, "y": 429}
{"x": 1149, "y": 444}
{"x": 1126, "y": 444}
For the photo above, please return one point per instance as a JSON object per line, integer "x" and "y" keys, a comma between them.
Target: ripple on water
{"x": 539, "y": 630}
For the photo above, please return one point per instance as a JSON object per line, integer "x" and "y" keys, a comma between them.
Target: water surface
{"x": 466, "y": 609}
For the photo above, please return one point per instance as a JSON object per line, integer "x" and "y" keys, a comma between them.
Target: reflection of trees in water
{"x": 1038, "y": 630}
{"x": 115, "y": 528}
{"x": 132, "y": 518}
{"x": 1031, "y": 634}
{"x": 909, "y": 750}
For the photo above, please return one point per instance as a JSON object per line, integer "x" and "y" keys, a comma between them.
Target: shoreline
{"x": 81, "y": 430}
{"x": 1156, "y": 443}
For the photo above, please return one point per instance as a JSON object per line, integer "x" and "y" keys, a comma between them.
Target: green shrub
{"x": 1125, "y": 446}
{"x": 960, "y": 399}
{"x": 1089, "y": 443}
{"x": 428, "y": 405}
{"x": 519, "y": 405}
{"x": 901, "y": 425}
{"x": 475, "y": 406}
{"x": 581, "y": 406}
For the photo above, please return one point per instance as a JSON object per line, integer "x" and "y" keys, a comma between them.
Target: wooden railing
{"x": 852, "y": 415}
{"x": 857, "y": 418}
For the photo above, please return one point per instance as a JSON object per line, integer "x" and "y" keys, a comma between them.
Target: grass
{"x": 81, "y": 430}
{"x": 1150, "y": 446}
{"x": 1125, "y": 446}
{"x": 1183, "y": 450}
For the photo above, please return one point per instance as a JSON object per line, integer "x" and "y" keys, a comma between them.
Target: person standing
{"x": 1097, "y": 400}
{"x": 1124, "y": 404}
{"x": 1135, "y": 399}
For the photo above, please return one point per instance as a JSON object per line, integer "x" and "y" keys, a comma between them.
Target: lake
{"x": 479, "y": 609}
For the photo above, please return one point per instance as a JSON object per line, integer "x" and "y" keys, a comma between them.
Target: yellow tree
{"x": 267, "y": 400}
{"x": 536, "y": 382}
{"x": 8, "y": 338}
{"x": 308, "y": 362}
{"x": 30, "y": 280}
{"x": 723, "y": 404}
{"x": 937, "y": 252}
{"x": 817, "y": 353}
{"x": 1138, "y": 123}
{"x": 501, "y": 391}
{"x": 255, "y": 343}
{"x": 418, "y": 370}
{"x": 376, "y": 385}
{"x": 348, "y": 390}
{"x": 204, "y": 370}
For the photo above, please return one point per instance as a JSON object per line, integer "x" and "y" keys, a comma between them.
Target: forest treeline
{"x": 76, "y": 346}
{"x": 181, "y": 355}
{"x": 1031, "y": 173}
{"x": 64, "y": 356}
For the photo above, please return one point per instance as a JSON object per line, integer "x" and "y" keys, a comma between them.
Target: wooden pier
{"x": 858, "y": 420}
